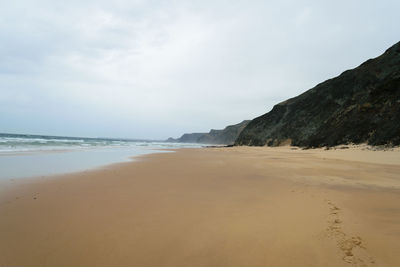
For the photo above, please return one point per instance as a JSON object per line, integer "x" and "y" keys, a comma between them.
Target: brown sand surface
{"x": 211, "y": 207}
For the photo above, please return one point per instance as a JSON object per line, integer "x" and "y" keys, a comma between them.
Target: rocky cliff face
{"x": 226, "y": 136}
{"x": 361, "y": 105}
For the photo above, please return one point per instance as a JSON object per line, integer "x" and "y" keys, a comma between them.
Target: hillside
{"x": 227, "y": 136}
{"x": 361, "y": 105}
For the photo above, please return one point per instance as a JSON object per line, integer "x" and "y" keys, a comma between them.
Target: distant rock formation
{"x": 226, "y": 136}
{"x": 187, "y": 138}
{"x": 361, "y": 105}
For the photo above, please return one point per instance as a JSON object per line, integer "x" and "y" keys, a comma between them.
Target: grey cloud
{"x": 160, "y": 68}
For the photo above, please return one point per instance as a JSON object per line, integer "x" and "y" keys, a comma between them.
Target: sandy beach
{"x": 240, "y": 206}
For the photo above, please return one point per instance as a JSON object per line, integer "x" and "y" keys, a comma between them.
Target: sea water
{"x": 38, "y": 155}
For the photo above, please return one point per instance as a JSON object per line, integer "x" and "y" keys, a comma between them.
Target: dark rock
{"x": 361, "y": 105}
{"x": 190, "y": 138}
{"x": 226, "y": 136}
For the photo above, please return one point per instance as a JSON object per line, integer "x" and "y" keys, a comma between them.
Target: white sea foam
{"x": 23, "y": 143}
{"x": 25, "y": 156}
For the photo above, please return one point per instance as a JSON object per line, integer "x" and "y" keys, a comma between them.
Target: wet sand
{"x": 211, "y": 207}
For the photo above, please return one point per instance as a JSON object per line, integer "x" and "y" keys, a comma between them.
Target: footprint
{"x": 346, "y": 244}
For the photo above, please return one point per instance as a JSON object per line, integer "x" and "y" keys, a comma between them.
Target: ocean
{"x": 23, "y": 155}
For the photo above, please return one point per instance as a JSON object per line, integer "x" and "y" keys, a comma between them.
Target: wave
{"x": 23, "y": 143}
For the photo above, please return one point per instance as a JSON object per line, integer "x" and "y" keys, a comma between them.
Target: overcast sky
{"x": 154, "y": 69}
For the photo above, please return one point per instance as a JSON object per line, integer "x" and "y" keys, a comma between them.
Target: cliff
{"x": 227, "y": 136}
{"x": 361, "y": 105}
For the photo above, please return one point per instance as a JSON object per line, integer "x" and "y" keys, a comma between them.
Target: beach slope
{"x": 237, "y": 206}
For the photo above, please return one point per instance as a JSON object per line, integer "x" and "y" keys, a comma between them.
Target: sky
{"x": 156, "y": 69}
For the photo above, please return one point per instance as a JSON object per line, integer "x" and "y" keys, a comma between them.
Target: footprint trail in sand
{"x": 352, "y": 247}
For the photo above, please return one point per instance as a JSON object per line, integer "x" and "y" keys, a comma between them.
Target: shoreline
{"x": 53, "y": 163}
{"x": 210, "y": 206}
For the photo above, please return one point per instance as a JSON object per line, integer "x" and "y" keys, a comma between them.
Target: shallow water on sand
{"x": 24, "y": 155}
{"x": 32, "y": 164}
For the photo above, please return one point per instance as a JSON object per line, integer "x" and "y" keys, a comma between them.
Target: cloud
{"x": 160, "y": 68}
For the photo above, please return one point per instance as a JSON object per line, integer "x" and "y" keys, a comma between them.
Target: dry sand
{"x": 211, "y": 207}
